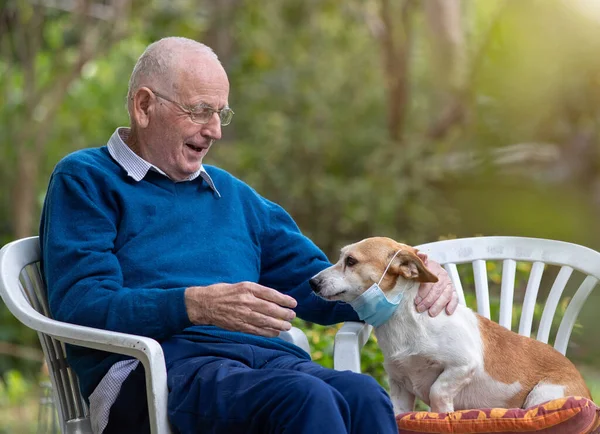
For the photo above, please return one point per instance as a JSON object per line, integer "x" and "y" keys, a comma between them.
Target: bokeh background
{"x": 417, "y": 120}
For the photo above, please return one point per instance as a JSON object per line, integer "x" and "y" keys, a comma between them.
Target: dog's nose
{"x": 314, "y": 284}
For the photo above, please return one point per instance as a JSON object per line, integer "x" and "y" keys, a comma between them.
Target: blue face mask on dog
{"x": 372, "y": 306}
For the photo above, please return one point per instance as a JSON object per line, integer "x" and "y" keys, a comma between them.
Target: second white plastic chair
{"x": 477, "y": 251}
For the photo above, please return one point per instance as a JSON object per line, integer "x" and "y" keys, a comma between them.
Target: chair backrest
{"x": 510, "y": 250}
{"x": 22, "y": 288}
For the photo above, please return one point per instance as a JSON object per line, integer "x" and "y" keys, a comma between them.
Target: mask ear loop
{"x": 388, "y": 266}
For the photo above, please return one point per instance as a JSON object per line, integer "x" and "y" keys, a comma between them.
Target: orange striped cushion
{"x": 572, "y": 415}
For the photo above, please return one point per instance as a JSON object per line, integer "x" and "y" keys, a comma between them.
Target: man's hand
{"x": 436, "y": 296}
{"x": 244, "y": 307}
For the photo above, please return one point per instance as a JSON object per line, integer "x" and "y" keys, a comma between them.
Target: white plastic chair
{"x": 509, "y": 250}
{"x": 23, "y": 292}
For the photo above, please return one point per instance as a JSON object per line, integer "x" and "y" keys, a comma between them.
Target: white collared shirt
{"x": 105, "y": 394}
{"x": 136, "y": 167}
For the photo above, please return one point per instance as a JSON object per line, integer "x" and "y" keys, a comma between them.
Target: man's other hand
{"x": 434, "y": 297}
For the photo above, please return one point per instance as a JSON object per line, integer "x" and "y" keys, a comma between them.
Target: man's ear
{"x": 408, "y": 265}
{"x": 141, "y": 106}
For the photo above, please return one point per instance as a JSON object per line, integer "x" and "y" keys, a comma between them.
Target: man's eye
{"x": 206, "y": 111}
{"x": 350, "y": 261}
{"x": 203, "y": 114}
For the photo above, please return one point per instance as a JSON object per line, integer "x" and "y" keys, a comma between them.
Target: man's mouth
{"x": 195, "y": 148}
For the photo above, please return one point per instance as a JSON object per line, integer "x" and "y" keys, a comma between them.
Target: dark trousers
{"x": 231, "y": 388}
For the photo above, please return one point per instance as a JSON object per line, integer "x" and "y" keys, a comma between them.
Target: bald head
{"x": 167, "y": 62}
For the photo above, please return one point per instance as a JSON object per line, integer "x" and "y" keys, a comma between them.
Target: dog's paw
{"x": 401, "y": 410}
{"x": 442, "y": 408}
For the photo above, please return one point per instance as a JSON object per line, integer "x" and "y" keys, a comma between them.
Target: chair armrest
{"x": 296, "y": 337}
{"x": 13, "y": 257}
{"x": 145, "y": 349}
{"x": 349, "y": 340}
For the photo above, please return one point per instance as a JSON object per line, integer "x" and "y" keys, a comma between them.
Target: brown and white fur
{"x": 451, "y": 362}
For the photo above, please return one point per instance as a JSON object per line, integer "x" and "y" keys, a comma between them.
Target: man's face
{"x": 171, "y": 140}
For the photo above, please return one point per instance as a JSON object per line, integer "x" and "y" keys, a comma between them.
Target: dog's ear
{"x": 408, "y": 265}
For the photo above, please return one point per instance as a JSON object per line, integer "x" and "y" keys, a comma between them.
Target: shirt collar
{"x": 136, "y": 167}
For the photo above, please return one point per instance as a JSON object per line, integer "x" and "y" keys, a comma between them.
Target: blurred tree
{"x": 396, "y": 40}
{"x": 45, "y": 48}
{"x": 448, "y": 63}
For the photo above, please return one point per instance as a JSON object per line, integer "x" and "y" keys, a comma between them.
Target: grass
{"x": 20, "y": 399}
{"x": 21, "y": 417}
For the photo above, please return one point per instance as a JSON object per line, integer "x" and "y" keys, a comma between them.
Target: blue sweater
{"x": 118, "y": 254}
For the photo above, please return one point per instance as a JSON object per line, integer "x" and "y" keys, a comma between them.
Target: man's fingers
{"x": 266, "y": 322}
{"x": 424, "y": 289}
{"x": 257, "y": 324}
{"x": 453, "y": 304}
{"x": 274, "y": 296}
{"x": 428, "y": 294}
{"x": 268, "y": 333}
{"x": 273, "y": 310}
{"x": 442, "y": 301}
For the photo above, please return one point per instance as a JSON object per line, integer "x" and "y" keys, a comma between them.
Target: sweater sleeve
{"x": 84, "y": 279}
{"x": 289, "y": 260}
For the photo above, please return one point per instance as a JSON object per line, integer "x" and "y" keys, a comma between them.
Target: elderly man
{"x": 140, "y": 237}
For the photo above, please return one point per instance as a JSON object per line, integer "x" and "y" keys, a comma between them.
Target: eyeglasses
{"x": 203, "y": 113}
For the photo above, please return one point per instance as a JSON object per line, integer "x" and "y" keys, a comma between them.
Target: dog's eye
{"x": 350, "y": 261}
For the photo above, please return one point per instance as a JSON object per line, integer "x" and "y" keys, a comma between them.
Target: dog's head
{"x": 363, "y": 263}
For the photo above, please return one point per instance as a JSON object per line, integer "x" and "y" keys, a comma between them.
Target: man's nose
{"x": 314, "y": 284}
{"x": 212, "y": 128}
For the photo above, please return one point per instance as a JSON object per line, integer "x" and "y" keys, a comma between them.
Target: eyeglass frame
{"x": 192, "y": 113}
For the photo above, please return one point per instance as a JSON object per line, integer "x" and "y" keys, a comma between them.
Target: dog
{"x": 450, "y": 362}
